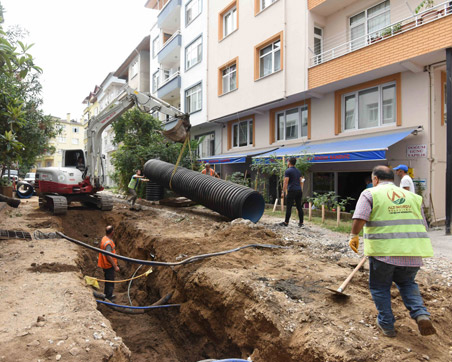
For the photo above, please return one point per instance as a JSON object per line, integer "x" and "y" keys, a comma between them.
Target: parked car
{"x": 13, "y": 175}
{"x": 30, "y": 178}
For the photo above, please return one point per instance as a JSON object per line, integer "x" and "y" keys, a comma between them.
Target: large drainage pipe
{"x": 227, "y": 198}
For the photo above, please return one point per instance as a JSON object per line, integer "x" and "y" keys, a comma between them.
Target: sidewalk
{"x": 442, "y": 243}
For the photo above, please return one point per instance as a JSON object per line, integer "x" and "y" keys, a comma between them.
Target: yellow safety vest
{"x": 396, "y": 226}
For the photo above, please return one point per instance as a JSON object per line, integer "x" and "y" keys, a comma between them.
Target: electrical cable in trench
{"x": 58, "y": 235}
{"x": 134, "y": 307}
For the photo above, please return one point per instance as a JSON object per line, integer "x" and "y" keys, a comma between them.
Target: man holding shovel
{"x": 396, "y": 240}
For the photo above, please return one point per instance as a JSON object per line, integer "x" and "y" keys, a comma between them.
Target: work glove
{"x": 354, "y": 242}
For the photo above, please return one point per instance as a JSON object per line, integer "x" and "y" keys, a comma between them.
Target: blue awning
{"x": 370, "y": 148}
{"x": 228, "y": 158}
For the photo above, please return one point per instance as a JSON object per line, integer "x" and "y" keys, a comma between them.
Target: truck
{"x": 81, "y": 177}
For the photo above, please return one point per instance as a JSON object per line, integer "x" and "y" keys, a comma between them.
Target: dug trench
{"x": 267, "y": 304}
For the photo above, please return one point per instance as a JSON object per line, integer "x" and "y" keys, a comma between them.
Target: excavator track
{"x": 56, "y": 204}
{"x": 104, "y": 202}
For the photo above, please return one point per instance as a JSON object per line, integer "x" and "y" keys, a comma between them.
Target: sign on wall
{"x": 416, "y": 151}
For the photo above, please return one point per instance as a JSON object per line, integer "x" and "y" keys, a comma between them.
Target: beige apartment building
{"x": 352, "y": 83}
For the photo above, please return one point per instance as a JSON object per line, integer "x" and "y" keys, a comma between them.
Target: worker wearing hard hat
{"x": 209, "y": 171}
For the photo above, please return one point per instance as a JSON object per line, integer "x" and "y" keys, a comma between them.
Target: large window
{"x": 192, "y": 10}
{"x": 207, "y": 146}
{"x": 193, "y": 53}
{"x": 193, "y": 99}
{"x": 242, "y": 133}
{"x": 292, "y": 123}
{"x": 229, "y": 78}
{"x": 371, "y": 107}
{"x": 368, "y": 24}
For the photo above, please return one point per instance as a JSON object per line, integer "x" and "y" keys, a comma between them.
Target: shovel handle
{"x": 346, "y": 281}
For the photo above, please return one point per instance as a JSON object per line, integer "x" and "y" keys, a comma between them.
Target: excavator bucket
{"x": 179, "y": 132}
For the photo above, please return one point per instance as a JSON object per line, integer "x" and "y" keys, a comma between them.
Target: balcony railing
{"x": 406, "y": 24}
{"x": 167, "y": 80}
{"x": 169, "y": 41}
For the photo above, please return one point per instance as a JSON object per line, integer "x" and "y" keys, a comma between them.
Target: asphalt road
{"x": 442, "y": 243}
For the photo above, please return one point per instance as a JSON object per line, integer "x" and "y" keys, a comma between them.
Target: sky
{"x": 77, "y": 43}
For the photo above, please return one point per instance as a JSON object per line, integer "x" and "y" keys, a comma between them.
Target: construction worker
{"x": 406, "y": 182}
{"x": 396, "y": 240}
{"x": 107, "y": 262}
{"x": 209, "y": 171}
{"x": 133, "y": 185}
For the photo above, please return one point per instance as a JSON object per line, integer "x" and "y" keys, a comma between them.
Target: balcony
{"x": 169, "y": 89}
{"x": 395, "y": 29}
{"x": 169, "y": 53}
{"x": 419, "y": 39}
{"x": 169, "y": 16}
{"x": 327, "y": 7}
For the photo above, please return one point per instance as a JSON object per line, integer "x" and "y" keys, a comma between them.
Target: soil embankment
{"x": 267, "y": 304}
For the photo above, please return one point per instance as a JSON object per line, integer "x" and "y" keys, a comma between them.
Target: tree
{"x": 139, "y": 138}
{"x": 25, "y": 131}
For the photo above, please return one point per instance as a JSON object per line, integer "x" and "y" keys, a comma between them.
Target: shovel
{"x": 340, "y": 290}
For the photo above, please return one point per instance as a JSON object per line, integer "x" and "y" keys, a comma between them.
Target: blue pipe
{"x": 133, "y": 307}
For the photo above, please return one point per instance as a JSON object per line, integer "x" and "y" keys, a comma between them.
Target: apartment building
{"x": 179, "y": 58}
{"x": 70, "y": 138}
{"x": 351, "y": 83}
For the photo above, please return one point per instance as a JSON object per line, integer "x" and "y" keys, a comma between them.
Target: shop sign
{"x": 416, "y": 151}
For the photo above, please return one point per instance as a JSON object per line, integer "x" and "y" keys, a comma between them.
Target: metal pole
{"x": 449, "y": 139}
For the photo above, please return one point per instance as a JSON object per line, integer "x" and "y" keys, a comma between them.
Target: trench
{"x": 157, "y": 335}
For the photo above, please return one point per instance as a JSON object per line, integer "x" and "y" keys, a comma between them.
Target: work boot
{"x": 425, "y": 325}
{"x": 283, "y": 224}
{"x": 301, "y": 225}
{"x": 387, "y": 332}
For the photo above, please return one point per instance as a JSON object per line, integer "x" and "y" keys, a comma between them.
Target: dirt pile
{"x": 266, "y": 304}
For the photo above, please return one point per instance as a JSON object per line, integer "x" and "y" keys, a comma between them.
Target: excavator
{"x": 82, "y": 175}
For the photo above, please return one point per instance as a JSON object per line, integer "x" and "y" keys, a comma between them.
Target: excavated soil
{"x": 266, "y": 304}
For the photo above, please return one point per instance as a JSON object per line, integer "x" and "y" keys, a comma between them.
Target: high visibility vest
{"x": 133, "y": 182}
{"x": 211, "y": 172}
{"x": 396, "y": 226}
{"x": 103, "y": 261}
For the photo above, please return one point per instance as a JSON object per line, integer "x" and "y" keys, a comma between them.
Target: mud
{"x": 266, "y": 304}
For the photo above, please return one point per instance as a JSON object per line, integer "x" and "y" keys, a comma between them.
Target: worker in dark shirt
{"x": 293, "y": 188}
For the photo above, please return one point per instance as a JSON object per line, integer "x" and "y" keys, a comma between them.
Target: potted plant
{"x": 6, "y": 187}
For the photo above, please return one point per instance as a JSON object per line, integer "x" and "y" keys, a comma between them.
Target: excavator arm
{"x": 126, "y": 100}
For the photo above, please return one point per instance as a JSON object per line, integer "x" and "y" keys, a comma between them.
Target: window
{"x": 155, "y": 46}
{"x": 75, "y": 129}
{"x": 228, "y": 20}
{"x": 207, "y": 147}
{"x": 61, "y": 139}
{"x": 75, "y": 141}
{"x": 229, "y": 79}
{"x": 367, "y": 25}
{"x": 242, "y": 133}
{"x": 134, "y": 68}
{"x": 193, "y": 53}
{"x": 268, "y": 57}
{"x": 372, "y": 107}
{"x": 292, "y": 123}
{"x": 193, "y": 99}
{"x": 192, "y": 10}
{"x": 265, "y": 3}
{"x": 318, "y": 44}
{"x": 155, "y": 81}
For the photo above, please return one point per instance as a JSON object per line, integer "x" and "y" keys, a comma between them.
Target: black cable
{"x": 40, "y": 235}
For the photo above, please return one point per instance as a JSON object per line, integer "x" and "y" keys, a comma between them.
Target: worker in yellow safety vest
{"x": 396, "y": 240}
{"x": 108, "y": 263}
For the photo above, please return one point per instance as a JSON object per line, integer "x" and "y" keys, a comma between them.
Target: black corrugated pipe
{"x": 227, "y": 198}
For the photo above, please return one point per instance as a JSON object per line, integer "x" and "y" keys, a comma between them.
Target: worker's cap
{"x": 401, "y": 167}
{"x": 207, "y": 164}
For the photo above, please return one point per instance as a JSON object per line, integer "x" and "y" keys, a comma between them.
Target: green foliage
{"x": 139, "y": 137}
{"x": 391, "y": 29}
{"x": 424, "y": 4}
{"x": 4, "y": 181}
{"x": 24, "y": 130}
{"x": 239, "y": 178}
{"x": 330, "y": 200}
